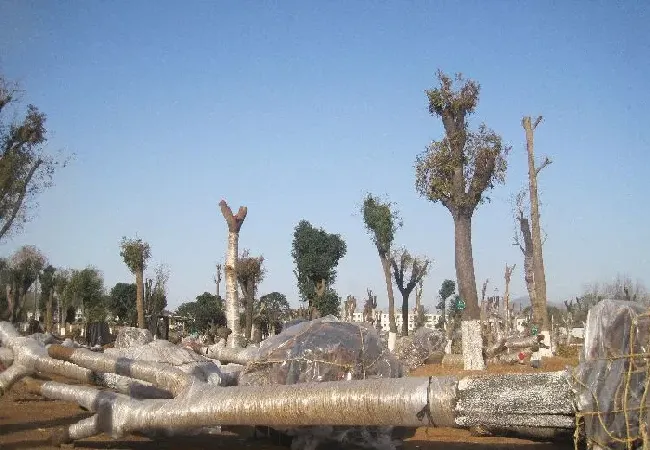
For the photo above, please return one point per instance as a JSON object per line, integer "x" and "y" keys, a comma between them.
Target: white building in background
{"x": 431, "y": 319}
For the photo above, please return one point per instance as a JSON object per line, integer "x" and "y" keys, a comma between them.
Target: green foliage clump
{"x": 206, "y": 311}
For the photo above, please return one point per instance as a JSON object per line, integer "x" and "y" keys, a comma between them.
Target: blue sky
{"x": 298, "y": 108}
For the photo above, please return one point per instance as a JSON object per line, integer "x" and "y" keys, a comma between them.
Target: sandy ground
{"x": 27, "y": 422}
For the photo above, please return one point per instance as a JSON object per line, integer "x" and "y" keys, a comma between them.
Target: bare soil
{"x": 27, "y": 422}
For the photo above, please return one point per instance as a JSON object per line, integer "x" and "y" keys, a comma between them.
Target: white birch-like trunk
{"x": 472, "y": 343}
{"x": 232, "y": 295}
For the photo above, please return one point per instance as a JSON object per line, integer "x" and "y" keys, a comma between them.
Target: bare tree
{"x": 232, "y": 296}
{"x": 483, "y": 304}
{"x": 506, "y": 295}
{"x": 458, "y": 171}
{"x": 538, "y": 259}
{"x": 136, "y": 253}
{"x": 408, "y": 272}
{"x": 217, "y": 278}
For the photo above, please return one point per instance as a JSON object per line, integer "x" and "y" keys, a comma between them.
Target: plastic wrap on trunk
{"x": 132, "y": 337}
{"x": 165, "y": 352}
{"x": 611, "y": 382}
{"x": 415, "y": 349}
{"x": 321, "y": 350}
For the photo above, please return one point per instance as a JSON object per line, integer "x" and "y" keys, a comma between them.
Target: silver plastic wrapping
{"x": 379, "y": 402}
{"x": 611, "y": 382}
{"x": 164, "y": 352}
{"x": 324, "y": 350}
{"x": 30, "y": 356}
{"x": 415, "y": 349}
{"x": 128, "y": 337}
{"x": 6, "y": 356}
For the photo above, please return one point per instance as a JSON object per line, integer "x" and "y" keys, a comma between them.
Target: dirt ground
{"x": 27, "y": 422}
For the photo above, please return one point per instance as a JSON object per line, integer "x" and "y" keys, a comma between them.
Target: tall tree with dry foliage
{"x": 136, "y": 253}
{"x": 382, "y": 222}
{"x": 408, "y": 271}
{"x": 457, "y": 171}
{"x": 536, "y": 230}
{"x": 250, "y": 273}
{"x": 25, "y": 168}
{"x": 234, "y": 222}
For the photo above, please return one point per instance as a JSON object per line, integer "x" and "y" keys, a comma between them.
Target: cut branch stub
{"x": 234, "y": 221}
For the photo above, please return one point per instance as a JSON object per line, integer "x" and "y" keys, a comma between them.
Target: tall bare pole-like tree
{"x": 234, "y": 221}
{"x": 536, "y": 230}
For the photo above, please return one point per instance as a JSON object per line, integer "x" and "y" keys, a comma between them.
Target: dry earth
{"x": 27, "y": 421}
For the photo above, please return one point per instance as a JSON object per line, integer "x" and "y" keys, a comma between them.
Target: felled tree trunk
{"x": 232, "y": 297}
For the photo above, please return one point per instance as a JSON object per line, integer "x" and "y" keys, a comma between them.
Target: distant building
{"x": 430, "y": 319}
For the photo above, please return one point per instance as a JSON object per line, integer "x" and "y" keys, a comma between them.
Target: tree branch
{"x": 21, "y": 197}
{"x": 546, "y": 162}
{"x": 234, "y": 221}
{"x": 537, "y": 121}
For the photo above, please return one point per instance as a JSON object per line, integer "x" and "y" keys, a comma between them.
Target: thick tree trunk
{"x": 472, "y": 341}
{"x": 139, "y": 296}
{"x": 48, "y": 312}
{"x": 405, "y": 313}
{"x": 538, "y": 260}
{"x": 385, "y": 264}
{"x": 232, "y": 296}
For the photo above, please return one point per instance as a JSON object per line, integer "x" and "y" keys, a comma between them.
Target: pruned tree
{"x": 349, "y": 307}
{"x": 536, "y": 230}
{"x": 250, "y": 273}
{"x": 506, "y": 295}
{"x": 47, "y": 293}
{"x": 26, "y": 169}
{"x": 316, "y": 254}
{"x": 156, "y": 296}
{"x": 217, "y": 278}
{"x": 382, "y": 222}
{"x": 369, "y": 307}
{"x": 234, "y": 222}
{"x": 524, "y": 240}
{"x": 408, "y": 271}
{"x": 420, "y": 318}
{"x": 483, "y": 304}
{"x": 447, "y": 289}
{"x": 458, "y": 171}
{"x": 136, "y": 253}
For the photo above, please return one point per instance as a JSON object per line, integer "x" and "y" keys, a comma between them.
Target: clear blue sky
{"x": 297, "y": 108}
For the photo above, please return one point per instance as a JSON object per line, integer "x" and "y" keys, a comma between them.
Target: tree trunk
{"x": 385, "y": 264}
{"x": 405, "y": 313}
{"x": 232, "y": 296}
{"x": 539, "y": 308}
{"x": 472, "y": 341}
{"x": 139, "y": 296}
{"x": 538, "y": 260}
{"x": 248, "y": 309}
{"x": 48, "y": 312}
